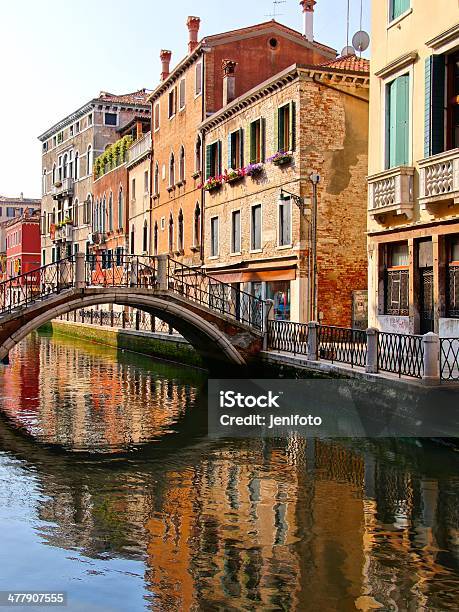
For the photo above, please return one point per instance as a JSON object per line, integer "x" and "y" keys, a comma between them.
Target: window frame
{"x": 156, "y": 117}
{"x": 234, "y": 251}
{"x": 172, "y": 108}
{"x": 253, "y": 247}
{"x": 391, "y": 19}
{"x": 214, "y": 255}
{"x": 182, "y": 84}
{"x": 286, "y": 205}
{"x": 384, "y": 106}
{"x": 199, "y": 66}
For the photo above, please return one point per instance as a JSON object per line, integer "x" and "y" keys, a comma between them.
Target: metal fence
{"x": 449, "y": 359}
{"x": 400, "y": 354}
{"x": 342, "y": 344}
{"x": 136, "y": 320}
{"x": 288, "y": 336}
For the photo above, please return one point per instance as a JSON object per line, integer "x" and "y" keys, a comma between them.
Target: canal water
{"x": 110, "y": 490}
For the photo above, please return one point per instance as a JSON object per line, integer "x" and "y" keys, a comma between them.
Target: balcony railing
{"x": 439, "y": 179}
{"x": 391, "y": 192}
{"x": 63, "y": 188}
{"x": 139, "y": 148}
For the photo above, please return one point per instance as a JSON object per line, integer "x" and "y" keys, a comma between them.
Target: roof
{"x": 350, "y": 63}
{"x": 133, "y": 121}
{"x": 136, "y": 97}
{"x": 23, "y": 201}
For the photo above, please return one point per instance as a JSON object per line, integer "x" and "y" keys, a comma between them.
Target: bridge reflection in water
{"x": 235, "y": 525}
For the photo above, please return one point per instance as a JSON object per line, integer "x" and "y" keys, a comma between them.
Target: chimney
{"x": 193, "y": 29}
{"x": 138, "y": 130}
{"x": 229, "y": 81}
{"x": 21, "y": 197}
{"x": 165, "y": 57}
{"x": 308, "y": 11}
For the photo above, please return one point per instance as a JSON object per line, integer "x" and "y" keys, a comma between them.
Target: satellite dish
{"x": 361, "y": 41}
{"x": 347, "y": 51}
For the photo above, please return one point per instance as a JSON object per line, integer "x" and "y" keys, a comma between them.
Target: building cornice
{"x": 398, "y": 64}
{"x": 446, "y": 37}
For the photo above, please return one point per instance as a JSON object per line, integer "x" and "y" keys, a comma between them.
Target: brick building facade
{"x": 317, "y": 116}
{"x": 186, "y": 97}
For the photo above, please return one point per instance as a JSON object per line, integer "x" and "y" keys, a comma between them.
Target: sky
{"x": 56, "y": 55}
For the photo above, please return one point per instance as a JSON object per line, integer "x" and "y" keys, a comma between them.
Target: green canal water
{"x": 110, "y": 490}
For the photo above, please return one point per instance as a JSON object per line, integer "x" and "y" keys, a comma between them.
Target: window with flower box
{"x": 285, "y": 127}
{"x": 213, "y": 159}
{"x": 257, "y": 141}
{"x": 235, "y": 149}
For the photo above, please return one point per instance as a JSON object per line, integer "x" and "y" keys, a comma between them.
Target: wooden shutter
{"x": 276, "y": 130}
{"x": 241, "y": 148}
{"x": 208, "y": 161}
{"x": 434, "y": 134}
{"x": 263, "y": 139}
{"x": 292, "y": 126}
{"x": 230, "y": 152}
{"x": 219, "y": 157}
{"x": 249, "y": 142}
{"x": 398, "y": 121}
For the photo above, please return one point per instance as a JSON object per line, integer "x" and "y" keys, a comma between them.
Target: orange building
{"x": 189, "y": 94}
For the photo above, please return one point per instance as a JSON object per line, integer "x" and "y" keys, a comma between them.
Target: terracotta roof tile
{"x": 136, "y": 97}
{"x": 349, "y": 62}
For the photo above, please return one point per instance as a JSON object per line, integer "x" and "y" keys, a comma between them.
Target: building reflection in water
{"x": 237, "y": 525}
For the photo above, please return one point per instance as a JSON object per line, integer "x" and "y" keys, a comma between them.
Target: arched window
{"x": 87, "y": 210}
{"x": 182, "y": 164}
{"x": 171, "y": 233}
{"x": 197, "y": 161}
{"x": 172, "y": 171}
{"x": 76, "y": 214}
{"x": 110, "y": 212}
{"x": 44, "y": 181}
{"x": 54, "y": 173}
{"x": 70, "y": 171}
{"x": 103, "y": 213}
{"x": 197, "y": 226}
{"x": 156, "y": 180}
{"x": 180, "y": 232}
{"x": 120, "y": 209}
{"x": 145, "y": 237}
{"x": 89, "y": 160}
{"x": 95, "y": 220}
{"x": 64, "y": 166}
{"x": 132, "y": 240}
{"x": 77, "y": 166}
{"x": 155, "y": 238}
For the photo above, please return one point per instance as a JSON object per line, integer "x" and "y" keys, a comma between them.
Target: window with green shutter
{"x": 435, "y": 71}
{"x": 286, "y": 127}
{"x": 257, "y": 141}
{"x": 235, "y": 149}
{"x": 397, "y": 8}
{"x": 397, "y": 122}
{"x": 213, "y": 159}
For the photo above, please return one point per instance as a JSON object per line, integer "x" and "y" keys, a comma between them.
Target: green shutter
{"x": 241, "y": 148}
{"x": 263, "y": 139}
{"x": 219, "y": 157}
{"x": 276, "y": 130}
{"x": 208, "y": 161}
{"x": 398, "y": 7}
{"x": 398, "y": 121}
{"x": 250, "y": 141}
{"x": 292, "y": 126}
{"x": 434, "y": 140}
{"x": 230, "y": 151}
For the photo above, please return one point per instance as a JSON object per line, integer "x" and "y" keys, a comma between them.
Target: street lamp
{"x": 298, "y": 200}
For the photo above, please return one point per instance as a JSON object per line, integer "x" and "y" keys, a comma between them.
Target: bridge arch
{"x": 216, "y": 340}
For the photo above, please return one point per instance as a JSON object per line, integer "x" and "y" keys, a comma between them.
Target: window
{"x": 146, "y": 186}
{"x": 279, "y": 293}
{"x": 198, "y": 79}
{"x": 197, "y": 226}
{"x": 44, "y": 182}
{"x": 155, "y": 238}
{"x": 453, "y": 98}
{"x": 89, "y": 160}
{"x": 90, "y": 119}
{"x": 285, "y": 124}
{"x": 133, "y": 189}
{"x": 156, "y": 180}
{"x": 213, "y": 159}
{"x": 64, "y": 165}
{"x": 45, "y": 147}
{"x": 71, "y": 130}
{"x": 397, "y": 122}
{"x": 132, "y": 240}
{"x": 235, "y": 149}
{"x": 87, "y": 210}
{"x": 156, "y": 117}
{"x": 172, "y": 170}
{"x": 182, "y": 164}
{"x": 43, "y": 257}
{"x": 10, "y": 211}
{"x": 214, "y": 237}
{"x": 396, "y": 280}
{"x": 103, "y": 213}
{"x": 110, "y": 212}
{"x": 397, "y": 8}
{"x": 236, "y": 231}
{"x": 172, "y": 104}
{"x": 70, "y": 173}
{"x": 120, "y": 209}
{"x": 257, "y": 141}
{"x": 60, "y": 137}
{"x": 182, "y": 93}
{"x": 76, "y": 215}
{"x": 452, "y": 293}
{"x": 145, "y": 237}
{"x": 119, "y": 256}
{"x": 171, "y": 233}
{"x": 180, "y": 239}
{"x": 197, "y": 159}
{"x": 285, "y": 211}
{"x": 54, "y": 174}
{"x": 77, "y": 127}
{"x": 77, "y": 166}
{"x": 255, "y": 233}
{"x": 110, "y": 119}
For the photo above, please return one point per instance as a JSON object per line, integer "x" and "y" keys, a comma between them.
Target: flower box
{"x": 281, "y": 158}
{"x": 196, "y": 175}
{"x": 254, "y": 169}
{"x": 212, "y": 184}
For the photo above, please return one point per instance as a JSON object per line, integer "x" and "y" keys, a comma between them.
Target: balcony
{"x": 140, "y": 148}
{"x": 63, "y": 188}
{"x": 439, "y": 179}
{"x": 62, "y": 233}
{"x": 391, "y": 193}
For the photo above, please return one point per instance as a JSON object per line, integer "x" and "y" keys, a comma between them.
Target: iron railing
{"x": 449, "y": 359}
{"x": 288, "y": 336}
{"x": 121, "y": 271}
{"x": 400, "y": 354}
{"x": 136, "y": 320}
{"x": 220, "y": 297}
{"x": 342, "y": 344}
{"x": 27, "y": 288}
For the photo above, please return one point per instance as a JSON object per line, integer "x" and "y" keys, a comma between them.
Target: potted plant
{"x": 281, "y": 158}
{"x": 212, "y": 183}
{"x": 233, "y": 176}
{"x": 254, "y": 169}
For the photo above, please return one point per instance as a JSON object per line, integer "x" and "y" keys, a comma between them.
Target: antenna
{"x": 275, "y": 14}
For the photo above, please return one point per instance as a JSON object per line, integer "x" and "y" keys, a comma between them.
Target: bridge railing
{"x": 220, "y": 297}
{"x": 121, "y": 271}
{"x": 25, "y": 289}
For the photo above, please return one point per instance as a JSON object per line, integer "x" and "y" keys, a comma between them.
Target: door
{"x": 427, "y": 301}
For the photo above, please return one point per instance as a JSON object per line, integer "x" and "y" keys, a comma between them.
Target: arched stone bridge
{"x": 223, "y": 323}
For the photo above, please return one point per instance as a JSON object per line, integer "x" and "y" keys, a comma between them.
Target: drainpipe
{"x": 203, "y": 156}
{"x": 314, "y": 178}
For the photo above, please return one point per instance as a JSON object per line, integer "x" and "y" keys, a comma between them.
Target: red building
{"x": 22, "y": 237}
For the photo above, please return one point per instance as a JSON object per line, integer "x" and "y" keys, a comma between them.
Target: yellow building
{"x": 413, "y": 212}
